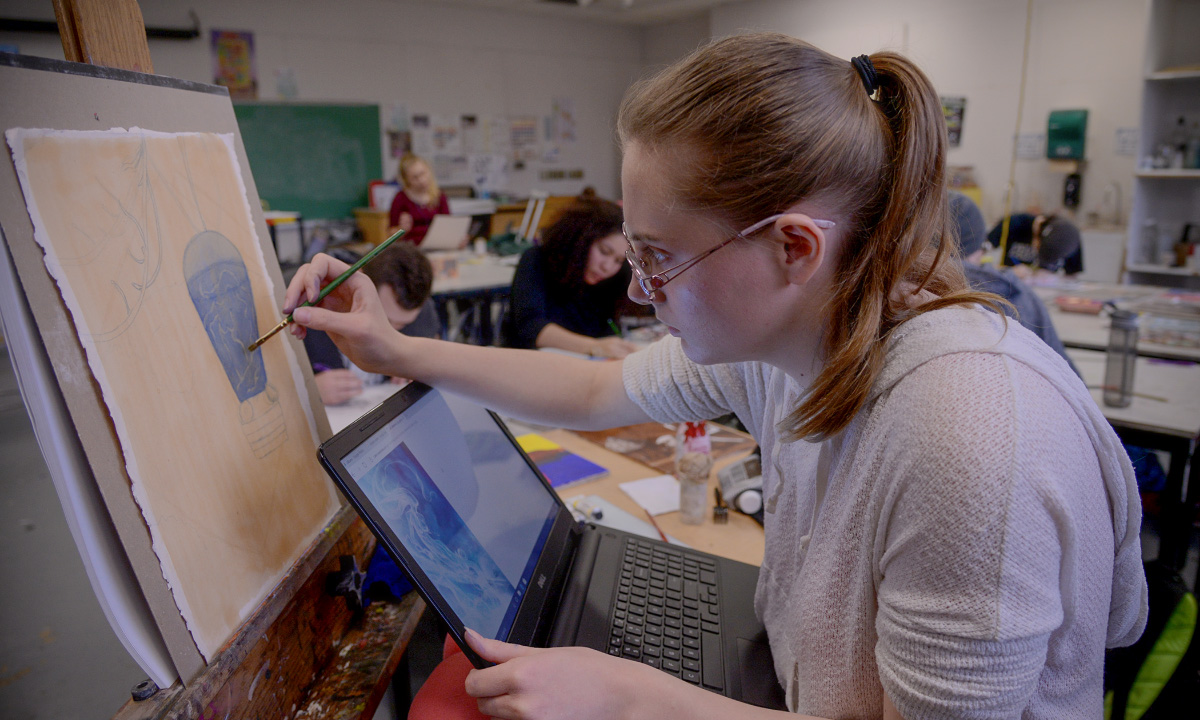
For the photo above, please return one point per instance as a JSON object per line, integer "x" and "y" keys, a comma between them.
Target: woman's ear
{"x": 805, "y": 246}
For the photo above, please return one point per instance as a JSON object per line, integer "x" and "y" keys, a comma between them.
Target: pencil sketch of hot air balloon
{"x": 219, "y": 286}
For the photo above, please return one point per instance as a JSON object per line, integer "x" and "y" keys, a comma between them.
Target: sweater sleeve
{"x": 400, "y": 204}
{"x": 528, "y": 310}
{"x": 978, "y": 543}
{"x": 662, "y": 381}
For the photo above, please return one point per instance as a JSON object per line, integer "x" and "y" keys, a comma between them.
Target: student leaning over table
{"x": 568, "y": 292}
{"x": 951, "y": 525}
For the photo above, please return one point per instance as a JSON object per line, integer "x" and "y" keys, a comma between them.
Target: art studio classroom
{"x": 220, "y": 502}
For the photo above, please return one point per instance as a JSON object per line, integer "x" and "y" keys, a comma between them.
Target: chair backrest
{"x": 533, "y": 214}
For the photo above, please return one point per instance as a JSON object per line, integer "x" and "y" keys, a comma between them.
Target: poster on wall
{"x": 562, "y": 114}
{"x": 233, "y": 63}
{"x": 523, "y": 132}
{"x": 422, "y": 135}
{"x": 399, "y": 143}
{"x": 497, "y": 135}
{"x": 489, "y": 173}
{"x": 452, "y": 169}
{"x": 472, "y": 135}
{"x": 954, "y": 108}
{"x": 446, "y": 133}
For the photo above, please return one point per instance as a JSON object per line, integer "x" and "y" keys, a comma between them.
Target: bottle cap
{"x": 1124, "y": 319}
{"x": 749, "y": 501}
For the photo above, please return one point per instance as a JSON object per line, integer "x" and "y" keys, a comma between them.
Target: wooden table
{"x": 741, "y": 538}
{"x": 1088, "y": 331}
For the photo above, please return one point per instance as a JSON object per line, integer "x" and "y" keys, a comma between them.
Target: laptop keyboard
{"x": 667, "y": 614}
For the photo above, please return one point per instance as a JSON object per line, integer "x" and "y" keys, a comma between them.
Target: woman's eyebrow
{"x": 644, "y": 238}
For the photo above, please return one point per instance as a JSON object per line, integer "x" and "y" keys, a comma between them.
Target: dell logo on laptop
{"x": 541, "y": 581}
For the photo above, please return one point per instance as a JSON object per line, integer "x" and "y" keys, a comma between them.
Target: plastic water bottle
{"x": 693, "y": 464}
{"x": 1121, "y": 359}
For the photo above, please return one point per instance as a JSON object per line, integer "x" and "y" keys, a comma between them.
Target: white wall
{"x": 435, "y": 58}
{"x": 1083, "y": 54}
{"x": 664, "y": 43}
{"x": 450, "y": 59}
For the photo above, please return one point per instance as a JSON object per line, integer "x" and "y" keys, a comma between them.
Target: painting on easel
{"x": 150, "y": 239}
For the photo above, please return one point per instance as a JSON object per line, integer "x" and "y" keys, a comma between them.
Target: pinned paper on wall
{"x": 452, "y": 169}
{"x": 1031, "y": 146}
{"x": 954, "y": 110}
{"x": 562, "y": 113}
{"x": 446, "y": 134}
{"x": 523, "y": 131}
{"x": 1126, "y": 141}
{"x": 422, "y": 135}
{"x": 150, "y": 240}
{"x": 472, "y": 135}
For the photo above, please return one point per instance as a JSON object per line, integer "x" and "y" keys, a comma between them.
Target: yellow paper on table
{"x": 560, "y": 466}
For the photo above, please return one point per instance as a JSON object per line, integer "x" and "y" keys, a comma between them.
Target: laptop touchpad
{"x": 759, "y": 686}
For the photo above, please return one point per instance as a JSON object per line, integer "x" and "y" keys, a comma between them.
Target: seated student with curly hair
{"x": 404, "y": 279}
{"x": 568, "y": 292}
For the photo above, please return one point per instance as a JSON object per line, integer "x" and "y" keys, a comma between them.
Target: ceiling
{"x": 626, "y": 12}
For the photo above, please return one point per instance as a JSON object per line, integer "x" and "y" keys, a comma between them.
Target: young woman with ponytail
{"x": 951, "y": 526}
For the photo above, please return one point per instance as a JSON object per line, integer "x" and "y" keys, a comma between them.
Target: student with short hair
{"x": 403, "y": 279}
{"x": 951, "y": 527}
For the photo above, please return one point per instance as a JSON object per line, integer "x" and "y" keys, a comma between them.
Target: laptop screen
{"x": 454, "y": 490}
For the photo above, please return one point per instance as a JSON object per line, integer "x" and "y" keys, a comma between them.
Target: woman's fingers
{"x": 309, "y": 280}
{"x": 496, "y": 651}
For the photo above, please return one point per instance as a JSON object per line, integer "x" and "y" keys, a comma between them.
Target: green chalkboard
{"x": 312, "y": 159}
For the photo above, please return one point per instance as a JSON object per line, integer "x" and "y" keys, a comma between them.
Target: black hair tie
{"x": 866, "y": 71}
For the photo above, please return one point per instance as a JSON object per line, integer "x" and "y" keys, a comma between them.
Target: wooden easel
{"x": 303, "y": 648}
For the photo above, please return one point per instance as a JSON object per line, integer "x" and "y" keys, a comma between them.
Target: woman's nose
{"x": 636, "y": 294}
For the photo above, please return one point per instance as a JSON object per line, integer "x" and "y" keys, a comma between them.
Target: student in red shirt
{"x": 418, "y": 201}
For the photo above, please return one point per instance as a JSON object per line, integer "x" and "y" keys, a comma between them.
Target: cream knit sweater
{"x": 968, "y": 544}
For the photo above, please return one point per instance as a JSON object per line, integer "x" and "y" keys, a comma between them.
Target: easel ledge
{"x": 292, "y": 653}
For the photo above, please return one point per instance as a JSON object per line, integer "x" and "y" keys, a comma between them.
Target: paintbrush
{"x": 327, "y": 289}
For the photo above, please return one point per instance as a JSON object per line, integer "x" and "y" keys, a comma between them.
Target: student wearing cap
{"x": 1029, "y": 309}
{"x": 1046, "y": 242}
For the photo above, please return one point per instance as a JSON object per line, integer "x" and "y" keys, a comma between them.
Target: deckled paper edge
{"x": 15, "y": 138}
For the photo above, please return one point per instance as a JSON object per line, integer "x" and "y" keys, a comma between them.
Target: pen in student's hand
{"x": 327, "y": 289}
{"x": 616, "y": 330}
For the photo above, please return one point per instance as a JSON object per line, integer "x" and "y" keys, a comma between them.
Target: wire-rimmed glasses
{"x": 651, "y": 282}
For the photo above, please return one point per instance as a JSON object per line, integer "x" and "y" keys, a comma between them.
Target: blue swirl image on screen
{"x": 438, "y": 539}
{"x": 220, "y": 289}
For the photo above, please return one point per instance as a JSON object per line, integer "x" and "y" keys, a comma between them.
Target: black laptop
{"x": 489, "y": 545}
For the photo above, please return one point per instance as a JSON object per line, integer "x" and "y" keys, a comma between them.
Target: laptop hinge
{"x": 575, "y": 586}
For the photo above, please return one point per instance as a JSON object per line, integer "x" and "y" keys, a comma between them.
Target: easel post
{"x": 288, "y": 653}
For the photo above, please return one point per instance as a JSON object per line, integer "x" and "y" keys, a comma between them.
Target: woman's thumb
{"x": 496, "y": 651}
